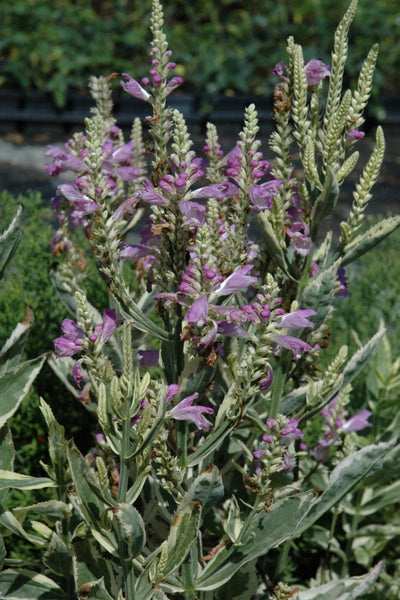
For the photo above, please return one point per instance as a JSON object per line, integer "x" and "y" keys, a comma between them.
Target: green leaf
{"x": 15, "y": 384}
{"x": 361, "y": 357}
{"x": 319, "y": 293}
{"x": 370, "y": 238}
{"x": 243, "y": 584}
{"x": 261, "y": 533}
{"x": 94, "y": 590}
{"x": 90, "y": 566}
{"x": 10, "y": 523}
{"x": 343, "y": 589}
{"x": 92, "y": 508}
{"x": 27, "y": 585}
{"x": 57, "y": 557}
{"x": 273, "y": 246}
{"x": 183, "y": 533}
{"x": 207, "y": 489}
{"x": 389, "y": 494}
{"x": 9, "y": 479}
{"x": 11, "y": 352}
{"x": 212, "y": 441}
{"x": 132, "y": 529}
{"x": 326, "y": 201}
{"x": 64, "y": 292}
{"x": 53, "y": 509}
{"x": 233, "y": 524}
{"x": 7, "y": 451}
{"x": 9, "y": 240}
{"x": 134, "y": 315}
{"x": 2, "y": 552}
{"x": 7, "y": 454}
{"x": 348, "y": 473}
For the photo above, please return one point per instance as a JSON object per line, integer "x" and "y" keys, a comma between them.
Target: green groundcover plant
{"x": 223, "y": 451}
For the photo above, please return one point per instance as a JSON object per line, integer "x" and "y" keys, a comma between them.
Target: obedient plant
{"x": 204, "y": 372}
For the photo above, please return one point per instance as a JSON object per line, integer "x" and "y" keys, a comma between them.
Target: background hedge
{"x": 220, "y": 46}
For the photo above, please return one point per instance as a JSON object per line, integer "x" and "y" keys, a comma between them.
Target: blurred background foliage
{"x": 220, "y": 46}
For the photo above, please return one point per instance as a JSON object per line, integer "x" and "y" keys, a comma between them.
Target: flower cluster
{"x": 336, "y": 425}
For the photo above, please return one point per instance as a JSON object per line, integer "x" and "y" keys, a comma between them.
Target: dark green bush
{"x": 27, "y": 284}
{"x": 223, "y": 46}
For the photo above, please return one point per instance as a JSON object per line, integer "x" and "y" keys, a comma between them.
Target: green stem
{"x": 124, "y": 465}
{"x": 284, "y": 553}
{"x": 126, "y": 562}
{"x": 181, "y": 442}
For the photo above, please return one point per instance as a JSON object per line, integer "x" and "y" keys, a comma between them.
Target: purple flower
{"x": 198, "y": 312}
{"x": 111, "y": 321}
{"x": 62, "y": 161}
{"x": 194, "y": 213}
{"x": 354, "y": 134}
{"x": 208, "y": 336}
{"x": 134, "y": 88}
{"x": 125, "y": 208}
{"x": 316, "y": 71}
{"x": 149, "y": 194}
{"x": 83, "y": 204}
{"x": 290, "y": 432}
{"x": 280, "y": 68}
{"x": 100, "y": 438}
{"x": 174, "y": 83}
{"x": 299, "y": 232}
{"x": 72, "y": 340}
{"x": 149, "y": 358}
{"x": 172, "y": 391}
{"x": 184, "y": 411}
{"x": 123, "y": 153}
{"x": 343, "y": 291}
{"x": 133, "y": 251}
{"x": 357, "y": 422}
{"x": 261, "y": 195}
{"x": 292, "y": 343}
{"x": 77, "y": 373}
{"x": 266, "y": 382}
{"x": 232, "y": 330}
{"x": 236, "y": 282}
{"x": 219, "y": 191}
{"x": 127, "y": 173}
{"x": 297, "y": 319}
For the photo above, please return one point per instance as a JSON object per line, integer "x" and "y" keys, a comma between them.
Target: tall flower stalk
{"x": 206, "y": 371}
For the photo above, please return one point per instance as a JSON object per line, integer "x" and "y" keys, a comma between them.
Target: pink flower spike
{"x": 184, "y": 411}
{"x": 236, "y": 282}
{"x": 316, "y": 71}
{"x": 297, "y": 319}
{"x": 134, "y": 88}
{"x": 357, "y": 422}
{"x": 198, "y": 312}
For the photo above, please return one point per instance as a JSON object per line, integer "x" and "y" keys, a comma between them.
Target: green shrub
{"x": 226, "y": 46}
{"x": 27, "y": 284}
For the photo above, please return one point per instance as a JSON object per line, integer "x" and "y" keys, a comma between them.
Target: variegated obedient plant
{"x": 204, "y": 370}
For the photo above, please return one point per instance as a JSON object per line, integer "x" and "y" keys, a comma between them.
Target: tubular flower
{"x": 185, "y": 411}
